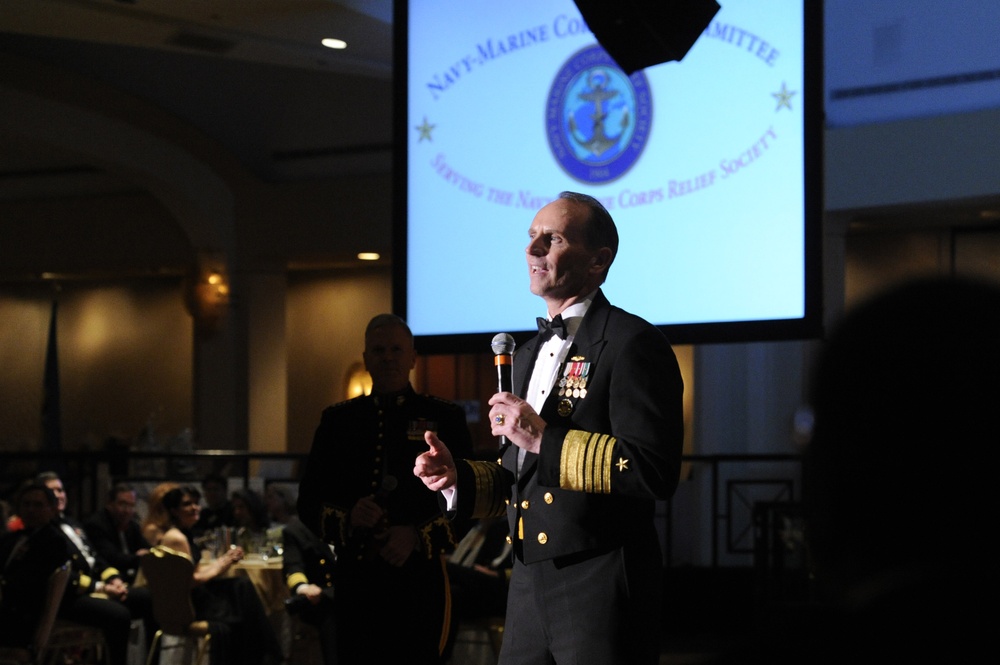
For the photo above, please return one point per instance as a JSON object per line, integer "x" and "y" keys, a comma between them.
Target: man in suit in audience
{"x": 115, "y": 533}
{"x": 218, "y": 509}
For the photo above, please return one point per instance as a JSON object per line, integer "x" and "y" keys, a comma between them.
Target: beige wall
{"x": 124, "y": 357}
{"x": 126, "y": 346}
{"x": 326, "y": 317}
{"x": 125, "y": 352}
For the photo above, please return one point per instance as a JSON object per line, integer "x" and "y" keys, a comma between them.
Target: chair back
{"x": 37, "y": 652}
{"x": 170, "y": 576}
{"x": 58, "y": 581}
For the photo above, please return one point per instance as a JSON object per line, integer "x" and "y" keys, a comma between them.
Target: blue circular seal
{"x": 597, "y": 119}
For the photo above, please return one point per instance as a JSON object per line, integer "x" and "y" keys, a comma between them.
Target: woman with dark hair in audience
{"x": 237, "y": 621}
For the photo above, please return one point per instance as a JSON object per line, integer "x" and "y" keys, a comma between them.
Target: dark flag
{"x": 51, "y": 413}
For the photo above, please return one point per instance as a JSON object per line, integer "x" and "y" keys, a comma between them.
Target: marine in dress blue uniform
{"x": 358, "y": 493}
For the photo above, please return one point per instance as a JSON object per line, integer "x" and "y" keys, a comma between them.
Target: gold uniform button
{"x": 525, "y": 504}
{"x": 548, "y": 497}
{"x": 509, "y": 540}
{"x": 542, "y": 538}
{"x": 507, "y": 501}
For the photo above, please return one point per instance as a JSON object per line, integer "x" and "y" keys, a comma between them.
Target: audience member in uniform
{"x": 97, "y": 594}
{"x": 309, "y": 565}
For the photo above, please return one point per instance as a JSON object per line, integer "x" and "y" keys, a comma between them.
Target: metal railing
{"x": 722, "y": 491}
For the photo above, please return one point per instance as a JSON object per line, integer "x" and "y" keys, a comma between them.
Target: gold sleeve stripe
{"x": 85, "y": 581}
{"x": 585, "y": 465}
{"x": 108, "y": 573}
{"x": 296, "y": 578}
{"x": 489, "y": 500}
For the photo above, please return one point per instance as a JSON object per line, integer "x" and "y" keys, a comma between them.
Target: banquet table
{"x": 267, "y": 579}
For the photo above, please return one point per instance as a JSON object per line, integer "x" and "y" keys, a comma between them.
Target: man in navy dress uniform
{"x": 596, "y": 429}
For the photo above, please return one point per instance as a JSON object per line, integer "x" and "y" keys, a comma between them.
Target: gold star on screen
{"x": 784, "y": 97}
{"x": 425, "y": 130}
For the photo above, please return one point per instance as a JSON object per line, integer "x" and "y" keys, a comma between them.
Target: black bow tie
{"x": 548, "y": 328}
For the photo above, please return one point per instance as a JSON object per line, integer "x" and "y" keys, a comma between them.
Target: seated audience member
{"x": 13, "y": 522}
{"x": 28, "y": 557}
{"x": 250, "y": 516}
{"x": 157, "y": 521}
{"x": 6, "y": 515}
{"x": 116, "y": 534}
{"x": 217, "y": 511}
{"x": 899, "y": 496}
{"x": 898, "y": 484}
{"x": 249, "y": 511}
{"x": 308, "y": 565}
{"x": 280, "y": 503}
{"x": 97, "y": 594}
{"x": 479, "y": 570}
{"x": 238, "y": 624}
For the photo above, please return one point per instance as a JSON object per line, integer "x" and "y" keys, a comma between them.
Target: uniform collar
{"x": 397, "y": 398}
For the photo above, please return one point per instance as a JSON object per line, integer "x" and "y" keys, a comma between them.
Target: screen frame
{"x": 809, "y": 326}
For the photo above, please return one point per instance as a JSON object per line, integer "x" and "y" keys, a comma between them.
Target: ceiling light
{"x": 369, "y": 256}
{"x": 329, "y": 42}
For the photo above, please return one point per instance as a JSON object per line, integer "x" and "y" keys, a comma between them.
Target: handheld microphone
{"x": 503, "y": 358}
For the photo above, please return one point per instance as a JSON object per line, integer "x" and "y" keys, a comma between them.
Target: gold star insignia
{"x": 425, "y": 130}
{"x": 622, "y": 464}
{"x": 784, "y": 97}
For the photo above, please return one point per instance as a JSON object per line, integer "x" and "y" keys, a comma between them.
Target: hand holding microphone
{"x": 503, "y": 357}
{"x": 511, "y": 418}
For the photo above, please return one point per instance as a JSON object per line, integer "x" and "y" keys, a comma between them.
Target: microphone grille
{"x": 503, "y": 343}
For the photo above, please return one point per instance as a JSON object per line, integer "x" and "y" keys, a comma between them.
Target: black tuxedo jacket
{"x": 103, "y": 536}
{"x": 606, "y": 455}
